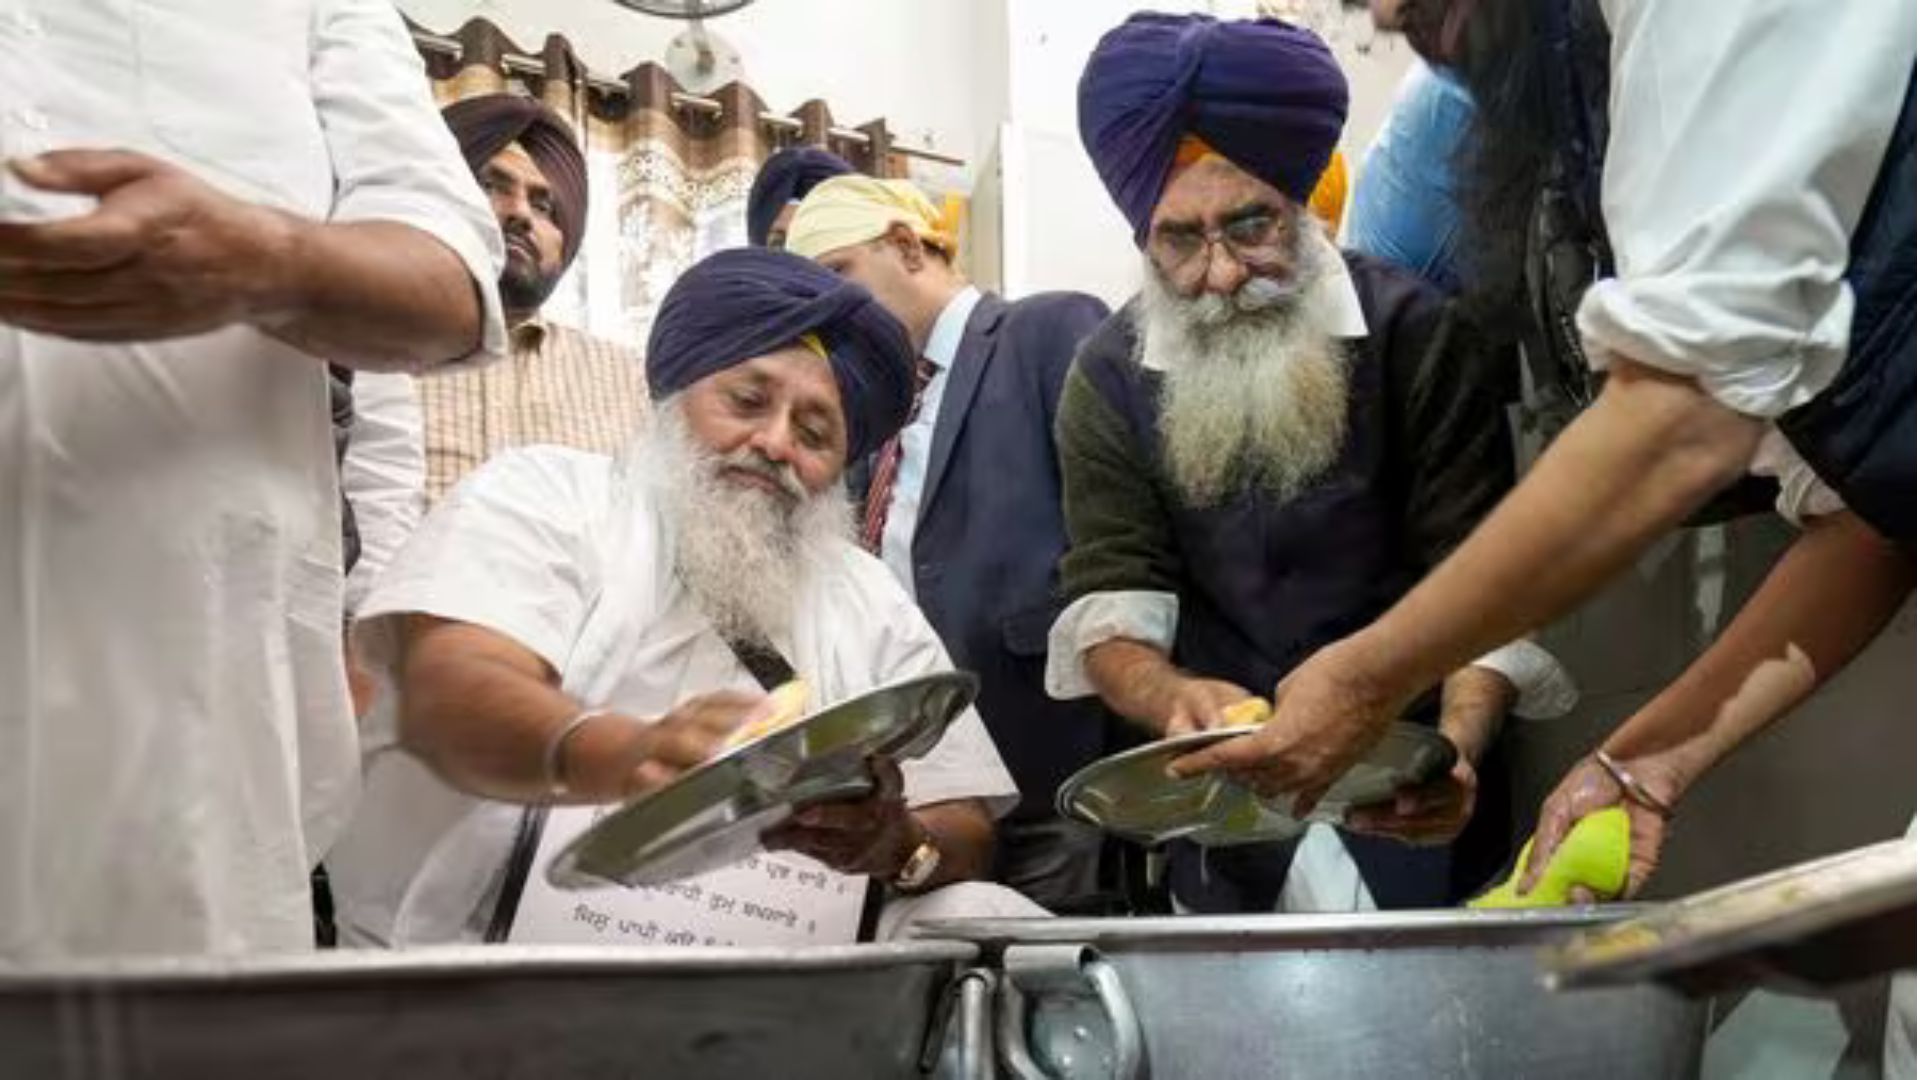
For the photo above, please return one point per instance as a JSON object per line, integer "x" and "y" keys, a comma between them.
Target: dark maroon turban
{"x": 486, "y": 125}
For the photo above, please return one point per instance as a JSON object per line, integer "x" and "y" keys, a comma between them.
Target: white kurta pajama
{"x": 176, "y": 746}
{"x": 545, "y": 546}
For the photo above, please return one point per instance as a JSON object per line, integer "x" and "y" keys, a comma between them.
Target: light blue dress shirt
{"x": 1406, "y": 201}
{"x": 916, "y": 441}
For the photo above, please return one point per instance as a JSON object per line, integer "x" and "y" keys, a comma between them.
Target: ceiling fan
{"x": 700, "y": 61}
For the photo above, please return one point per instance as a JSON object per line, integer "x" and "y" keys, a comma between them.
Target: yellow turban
{"x": 1329, "y": 198}
{"x": 849, "y": 210}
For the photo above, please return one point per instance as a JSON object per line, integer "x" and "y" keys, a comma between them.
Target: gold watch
{"x": 920, "y": 866}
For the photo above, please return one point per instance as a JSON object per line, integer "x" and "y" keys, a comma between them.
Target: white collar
{"x": 1332, "y": 298}
{"x": 943, "y": 345}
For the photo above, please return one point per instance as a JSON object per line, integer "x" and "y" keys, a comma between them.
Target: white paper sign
{"x": 768, "y": 899}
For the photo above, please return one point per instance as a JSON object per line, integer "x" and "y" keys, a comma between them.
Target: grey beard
{"x": 1254, "y": 393}
{"x": 745, "y": 556}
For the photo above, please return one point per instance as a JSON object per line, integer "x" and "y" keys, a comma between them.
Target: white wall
{"x": 908, "y": 61}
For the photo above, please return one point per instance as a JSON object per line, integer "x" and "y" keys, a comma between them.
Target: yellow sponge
{"x": 1594, "y": 854}
{"x": 1248, "y": 712}
{"x": 785, "y": 705}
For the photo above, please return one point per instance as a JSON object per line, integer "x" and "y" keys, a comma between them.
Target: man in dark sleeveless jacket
{"x": 1266, "y": 447}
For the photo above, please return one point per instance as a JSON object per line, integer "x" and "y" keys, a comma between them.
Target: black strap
{"x": 767, "y": 666}
{"x": 526, "y": 841}
{"x": 762, "y": 661}
{"x": 771, "y": 669}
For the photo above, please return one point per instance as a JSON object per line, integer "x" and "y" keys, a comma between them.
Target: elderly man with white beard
{"x": 568, "y": 629}
{"x": 1265, "y": 448}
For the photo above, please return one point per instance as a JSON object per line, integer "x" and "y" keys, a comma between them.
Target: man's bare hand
{"x": 873, "y": 836}
{"x": 163, "y": 255}
{"x": 1324, "y": 720}
{"x": 614, "y": 757}
{"x": 1588, "y": 788}
{"x": 1198, "y": 704}
{"x": 1432, "y": 813}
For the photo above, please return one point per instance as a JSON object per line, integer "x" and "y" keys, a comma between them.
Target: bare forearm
{"x": 1129, "y": 676}
{"x": 1825, "y": 600}
{"x": 963, "y": 831}
{"x": 483, "y": 725}
{"x": 372, "y": 295}
{"x": 1633, "y": 466}
{"x": 1473, "y": 702}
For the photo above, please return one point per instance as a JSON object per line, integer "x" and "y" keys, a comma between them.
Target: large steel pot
{"x": 1425, "y": 995}
{"x": 498, "y": 1011}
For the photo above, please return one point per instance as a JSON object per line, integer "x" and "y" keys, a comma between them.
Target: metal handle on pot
{"x": 1129, "y": 1043}
{"x": 968, "y": 1002}
{"x": 1069, "y": 972}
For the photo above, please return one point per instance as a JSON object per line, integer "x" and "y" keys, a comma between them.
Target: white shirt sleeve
{"x": 1803, "y": 494}
{"x": 384, "y": 474}
{"x": 508, "y": 549}
{"x": 393, "y": 157}
{"x": 1543, "y": 689}
{"x": 1745, "y": 139}
{"x": 1136, "y": 614}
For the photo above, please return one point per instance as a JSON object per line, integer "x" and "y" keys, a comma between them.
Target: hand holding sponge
{"x": 1593, "y": 854}
{"x": 1250, "y": 712}
{"x": 785, "y": 704}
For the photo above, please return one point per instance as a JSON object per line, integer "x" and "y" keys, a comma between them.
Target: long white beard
{"x": 1254, "y": 395}
{"x": 744, "y": 555}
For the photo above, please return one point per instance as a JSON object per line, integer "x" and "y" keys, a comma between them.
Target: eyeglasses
{"x": 1257, "y": 241}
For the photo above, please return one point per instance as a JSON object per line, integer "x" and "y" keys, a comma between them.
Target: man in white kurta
{"x": 580, "y": 561}
{"x": 203, "y": 202}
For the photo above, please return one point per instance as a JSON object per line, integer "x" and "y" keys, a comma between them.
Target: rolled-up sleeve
{"x": 1803, "y": 495}
{"x": 1121, "y": 570}
{"x": 1147, "y": 617}
{"x": 1745, "y": 140}
{"x": 393, "y": 157}
{"x": 1543, "y": 689}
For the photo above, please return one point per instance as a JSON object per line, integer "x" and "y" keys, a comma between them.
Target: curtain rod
{"x": 525, "y": 64}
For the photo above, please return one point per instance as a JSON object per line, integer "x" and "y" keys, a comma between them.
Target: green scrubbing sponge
{"x": 1594, "y": 854}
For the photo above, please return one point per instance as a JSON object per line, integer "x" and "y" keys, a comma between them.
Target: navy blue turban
{"x": 745, "y": 302}
{"x": 787, "y": 177}
{"x": 1265, "y": 95}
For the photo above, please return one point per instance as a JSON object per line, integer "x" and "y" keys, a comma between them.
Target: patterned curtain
{"x": 668, "y": 172}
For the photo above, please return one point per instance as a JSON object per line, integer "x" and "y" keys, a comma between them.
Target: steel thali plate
{"x": 1131, "y": 795}
{"x": 713, "y": 815}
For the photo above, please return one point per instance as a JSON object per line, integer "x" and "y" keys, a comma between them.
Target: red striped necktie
{"x": 886, "y": 465}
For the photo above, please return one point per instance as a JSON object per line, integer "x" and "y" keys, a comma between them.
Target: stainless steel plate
{"x": 1856, "y": 902}
{"x": 713, "y": 816}
{"x": 1131, "y": 795}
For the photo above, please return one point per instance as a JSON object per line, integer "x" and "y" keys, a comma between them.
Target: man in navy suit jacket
{"x": 965, "y": 508}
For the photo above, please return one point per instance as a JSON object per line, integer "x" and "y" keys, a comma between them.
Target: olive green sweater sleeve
{"x": 1118, "y": 531}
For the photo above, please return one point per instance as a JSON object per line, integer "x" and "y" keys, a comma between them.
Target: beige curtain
{"x": 668, "y": 173}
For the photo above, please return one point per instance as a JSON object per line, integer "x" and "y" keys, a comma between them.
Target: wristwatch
{"x": 920, "y": 866}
